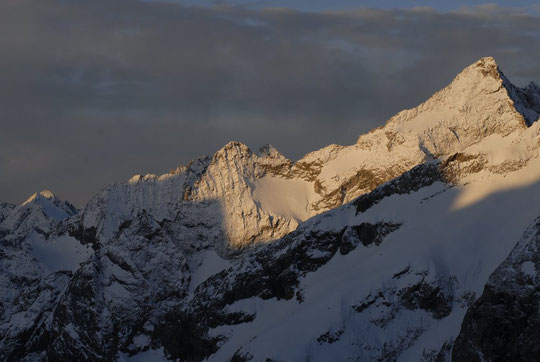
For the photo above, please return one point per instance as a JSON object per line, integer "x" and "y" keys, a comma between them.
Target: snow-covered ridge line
{"x": 261, "y": 196}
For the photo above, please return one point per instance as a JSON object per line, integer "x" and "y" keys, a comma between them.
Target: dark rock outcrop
{"x": 504, "y": 323}
{"x": 420, "y": 176}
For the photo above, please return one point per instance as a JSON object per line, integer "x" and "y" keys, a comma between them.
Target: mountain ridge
{"x": 374, "y": 251}
{"x": 235, "y": 176}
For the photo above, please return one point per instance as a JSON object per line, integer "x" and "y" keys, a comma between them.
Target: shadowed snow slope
{"x": 373, "y": 251}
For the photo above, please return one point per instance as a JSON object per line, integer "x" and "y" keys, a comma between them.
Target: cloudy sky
{"x": 92, "y": 92}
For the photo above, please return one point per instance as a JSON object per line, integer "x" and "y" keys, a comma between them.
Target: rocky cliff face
{"x": 504, "y": 323}
{"x": 373, "y": 251}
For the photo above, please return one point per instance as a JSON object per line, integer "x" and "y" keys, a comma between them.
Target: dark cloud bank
{"x": 92, "y": 92}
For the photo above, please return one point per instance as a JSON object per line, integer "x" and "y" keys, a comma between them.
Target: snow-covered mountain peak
{"x": 48, "y": 194}
{"x": 478, "y": 103}
{"x": 489, "y": 78}
{"x": 42, "y": 194}
{"x": 50, "y": 205}
{"x": 39, "y": 213}
{"x": 269, "y": 151}
{"x": 487, "y": 66}
{"x": 261, "y": 196}
{"x": 232, "y": 150}
{"x": 533, "y": 85}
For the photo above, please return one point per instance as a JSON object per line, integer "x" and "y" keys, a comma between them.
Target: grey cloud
{"x": 92, "y": 92}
